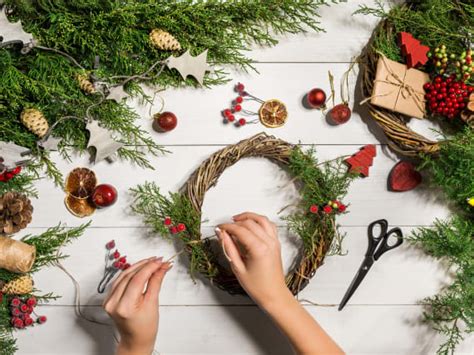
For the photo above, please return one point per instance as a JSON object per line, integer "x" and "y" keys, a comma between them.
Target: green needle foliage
{"x": 117, "y": 34}
{"x": 451, "y": 311}
{"x": 48, "y": 245}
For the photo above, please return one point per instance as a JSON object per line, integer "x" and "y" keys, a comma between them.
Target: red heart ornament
{"x": 404, "y": 177}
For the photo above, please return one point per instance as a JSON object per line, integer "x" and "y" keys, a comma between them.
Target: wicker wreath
{"x": 401, "y": 139}
{"x": 318, "y": 230}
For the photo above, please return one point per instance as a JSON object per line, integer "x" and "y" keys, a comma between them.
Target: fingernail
{"x": 159, "y": 260}
{"x": 218, "y": 231}
{"x": 170, "y": 265}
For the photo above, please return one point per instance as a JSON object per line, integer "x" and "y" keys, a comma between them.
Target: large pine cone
{"x": 15, "y": 212}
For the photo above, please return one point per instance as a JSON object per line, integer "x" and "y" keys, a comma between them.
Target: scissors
{"x": 378, "y": 245}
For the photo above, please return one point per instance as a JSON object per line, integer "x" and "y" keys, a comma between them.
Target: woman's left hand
{"x": 133, "y": 305}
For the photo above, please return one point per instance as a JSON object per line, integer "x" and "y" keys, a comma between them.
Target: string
{"x": 75, "y": 62}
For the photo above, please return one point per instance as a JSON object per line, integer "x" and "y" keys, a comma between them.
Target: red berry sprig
{"x": 21, "y": 310}
{"x": 174, "y": 229}
{"x": 10, "y": 174}
{"x": 334, "y": 206}
{"x": 447, "y": 96}
{"x": 229, "y": 113}
{"x": 115, "y": 259}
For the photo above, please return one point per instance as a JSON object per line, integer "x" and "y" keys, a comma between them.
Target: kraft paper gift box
{"x": 399, "y": 89}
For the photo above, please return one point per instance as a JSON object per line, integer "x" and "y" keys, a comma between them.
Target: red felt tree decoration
{"x": 362, "y": 160}
{"x": 414, "y": 52}
{"x": 404, "y": 177}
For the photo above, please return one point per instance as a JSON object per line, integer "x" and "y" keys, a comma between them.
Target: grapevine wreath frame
{"x": 401, "y": 138}
{"x": 317, "y": 229}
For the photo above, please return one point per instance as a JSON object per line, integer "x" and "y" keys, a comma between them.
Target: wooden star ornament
{"x": 117, "y": 94}
{"x": 12, "y": 155}
{"x": 101, "y": 139}
{"x": 187, "y": 65}
{"x": 12, "y": 32}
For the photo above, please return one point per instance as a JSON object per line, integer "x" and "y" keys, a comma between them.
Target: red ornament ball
{"x": 340, "y": 114}
{"x": 168, "y": 221}
{"x": 104, "y": 195}
{"x": 342, "y": 208}
{"x": 313, "y": 209}
{"x": 327, "y": 209}
{"x": 181, "y": 227}
{"x": 165, "y": 121}
{"x": 316, "y": 98}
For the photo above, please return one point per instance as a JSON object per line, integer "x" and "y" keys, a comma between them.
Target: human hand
{"x": 253, "y": 249}
{"x": 135, "y": 311}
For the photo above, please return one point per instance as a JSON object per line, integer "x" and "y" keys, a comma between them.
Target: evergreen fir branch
{"x": 22, "y": 183}
{"x": 453, "y": 242}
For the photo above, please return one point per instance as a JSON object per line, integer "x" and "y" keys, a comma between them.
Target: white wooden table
{"x": 381, "y": 318}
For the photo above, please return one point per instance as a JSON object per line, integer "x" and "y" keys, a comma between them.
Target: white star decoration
{"x": 101, "y": 139}
{"x": 117, "y": 93}
{"x": 187, "y": 65}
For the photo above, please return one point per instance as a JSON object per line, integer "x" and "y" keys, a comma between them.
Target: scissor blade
{"x": 361, "y": 273}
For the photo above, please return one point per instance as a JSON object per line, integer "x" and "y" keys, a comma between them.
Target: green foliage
{"x": 117, "y": 33}
{"x": 451, "y": 310}
{"x": 433, "y": 22}
{"x": 22, "y": 182}
{"x": 318, "y": 184}
{"x": 453, "y": 168}
{"x": 48, "y": 245}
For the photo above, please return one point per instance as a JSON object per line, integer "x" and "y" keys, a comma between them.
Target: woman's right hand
{"x": 251, "y": 244}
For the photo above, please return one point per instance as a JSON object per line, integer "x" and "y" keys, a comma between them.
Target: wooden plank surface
{"x": 196, "y": 318}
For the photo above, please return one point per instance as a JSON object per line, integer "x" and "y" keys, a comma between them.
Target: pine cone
{"x": 164, "y": 40}
{"x": 35, "y": 121}
{"x": 85, "y": 84}
{"x": 15, "y": 212}
{"x": 20, "y": 286}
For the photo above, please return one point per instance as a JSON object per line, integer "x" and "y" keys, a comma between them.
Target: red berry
{"x": 122, "y": 260}
{"x": 427, "y": 86}
{"x": 168, "y": 221}
{"x": 42, "y": 319}
{"x": 15, "y": 302}
{"x": 117, "y": 264}
{"x": 237, "y": 108}
{"x": 126, "y": 266}
{"x": 231, "y": 118}
{"x": 116, "y": 254}
{"x": 242, "y": 122}
{"x": 16, "y": 312}
{"x": 327, "y": 209}
{"x": 8, "y": 175}
{"x": 18, "y": 323}
{"x": 240, "y": 87}
{"x": 438, "y": 79}
{"x": 28, "y": 321}
{"x": 239, "y": 99}
{"x": 227, "y": 112}
{"x": 110, "y": 245}
{"x": 31, "y": 302}
{"x": 181, "y": 227}
{"x": 313, "y": 209}
{"x": 17, "y": 170}
{"x": 173, "y": 230}
{"x": 342, "y": 208}
{"x": 24, "y": 308}
{"x": 2, "y": 177}
{"x": 437, "y": 86}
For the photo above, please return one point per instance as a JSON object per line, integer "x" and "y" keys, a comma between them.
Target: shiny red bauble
{"x": 340, "y": 114}
{"x": 316, "y": 98}
{"x": 104, "y": 195}
{"x": 165, "y": 121}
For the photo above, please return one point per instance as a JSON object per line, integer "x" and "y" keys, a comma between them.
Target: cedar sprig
{"x": 450, "y": 311}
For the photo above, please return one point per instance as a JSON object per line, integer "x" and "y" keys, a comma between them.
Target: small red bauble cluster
{"x": 331, "y": 207}
{"x": 447, "y": 96}
{"x": 118, "y": 262}
{"x": 21, "y": 311}
{"x": 174, "y": 229}
{"x": 229, "y": 114}
{"x": 10, "y": 174}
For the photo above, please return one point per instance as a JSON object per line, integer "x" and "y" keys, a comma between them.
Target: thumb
{"x": 155, "y": 282}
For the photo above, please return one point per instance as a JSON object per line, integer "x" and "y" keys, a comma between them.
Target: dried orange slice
{"x": 273, "y": 113}
{"x": 80, "y": 183}
{"x": 79, "y": 207}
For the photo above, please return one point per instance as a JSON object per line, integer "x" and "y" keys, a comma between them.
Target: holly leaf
{"x": 12, "y": 32}
{"x": 187, "y": 65}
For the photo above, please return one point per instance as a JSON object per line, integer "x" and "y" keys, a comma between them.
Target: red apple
{"x": 104, "y": 195}
{"x": 165, "y": 121}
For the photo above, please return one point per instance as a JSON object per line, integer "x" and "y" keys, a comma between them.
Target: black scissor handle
{"x": 384, "y": 244}
{"x": 374, "y": 238}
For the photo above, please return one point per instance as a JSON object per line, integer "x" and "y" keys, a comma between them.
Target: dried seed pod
{"x": 164, "y": 40}
{"x": 35, "y": 121}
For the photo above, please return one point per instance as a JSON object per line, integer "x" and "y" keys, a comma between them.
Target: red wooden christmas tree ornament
{"x": 404, "y": 177}
{"x": 362, "y": 160}
{"x": 414, "y": 52}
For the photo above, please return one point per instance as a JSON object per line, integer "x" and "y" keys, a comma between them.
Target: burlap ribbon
{"x": 16, "y": 256}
